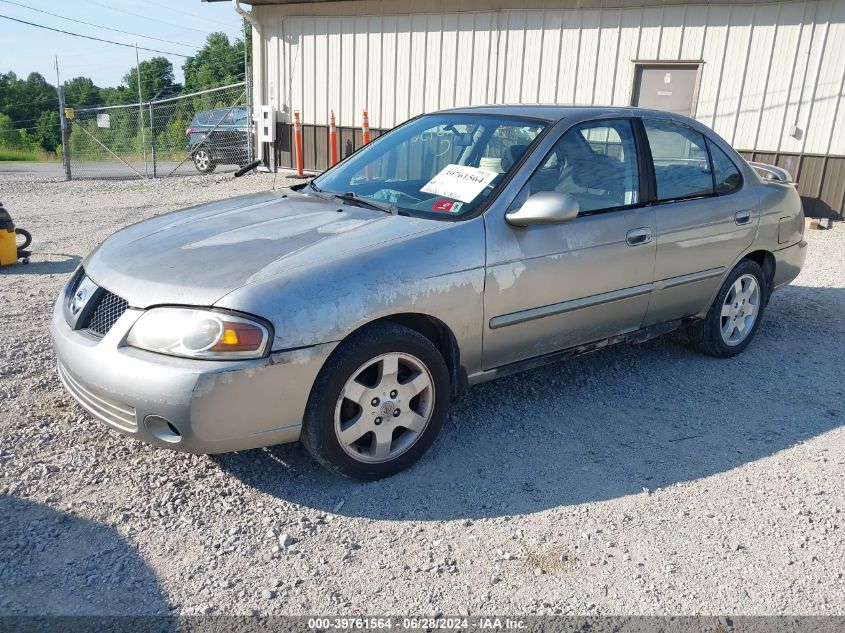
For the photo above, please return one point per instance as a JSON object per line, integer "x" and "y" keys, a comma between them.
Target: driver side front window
{"x": 596, "y": 163}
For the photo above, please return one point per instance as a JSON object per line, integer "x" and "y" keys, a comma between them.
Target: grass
{"x": 22, "y": 155}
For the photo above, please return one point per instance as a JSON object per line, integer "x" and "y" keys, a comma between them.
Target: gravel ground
{"x": 638, "y": 480}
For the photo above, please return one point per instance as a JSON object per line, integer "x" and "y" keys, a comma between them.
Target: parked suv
{"x": 219, "y": 136}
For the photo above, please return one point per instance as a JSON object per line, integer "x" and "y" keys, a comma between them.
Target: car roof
{"x": 554, "y": 113}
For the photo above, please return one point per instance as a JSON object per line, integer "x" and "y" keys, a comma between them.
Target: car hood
{"x": 198, "y": 255}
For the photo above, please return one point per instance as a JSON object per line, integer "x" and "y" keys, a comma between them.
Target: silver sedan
{"x": 464, "y": 245}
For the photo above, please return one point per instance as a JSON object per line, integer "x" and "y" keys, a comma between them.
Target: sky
{"x": 184, "y": 22}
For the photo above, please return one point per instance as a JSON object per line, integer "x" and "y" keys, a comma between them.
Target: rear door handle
{"x": 743, "y": 217}
{"x": 637, "y": 237}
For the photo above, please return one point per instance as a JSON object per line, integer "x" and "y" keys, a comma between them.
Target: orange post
{"x": 297, "y": 143}
{"x": 365, "y": 137}
{"x": 365, "y": 128}
{"x": 332, "y": 141}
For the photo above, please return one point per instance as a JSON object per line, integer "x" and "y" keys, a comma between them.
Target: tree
{"x": 29, "y": 111}
{"x": 80, "y": 92}
{"x": 24, "y": 100}
{"x": 47, "y": 132}
{"x": 218, "y": 63}
{"x": 157, "y": 80}
{"x": 118, "y": 96}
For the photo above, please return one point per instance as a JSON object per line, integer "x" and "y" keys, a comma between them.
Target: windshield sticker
{"x": 460, "y": 182}
{"x": 449, "y": 206}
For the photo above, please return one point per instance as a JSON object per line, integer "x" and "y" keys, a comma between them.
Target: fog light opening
{"x": 162, "y": 429}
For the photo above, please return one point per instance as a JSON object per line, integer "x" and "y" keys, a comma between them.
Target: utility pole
{"x": 141, "y": 110}
{"x": 65, "y": 149}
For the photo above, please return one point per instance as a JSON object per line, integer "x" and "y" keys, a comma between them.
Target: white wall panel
{"x": 715, "y": 41}
{"x": 673, "y": 21}
{"x": 569, "y": 58}
{"x": 629, "y": 38}
{"x": 824, "y": 80}
{"x": 765, "y": 66}
{"x": 433, "y": 63}
{"x": 550, "y": 56}
{"x": 482, "y": 61}
{"x": 449, "y": 62}
{"x": 375, "y": 81}
{"x": 836, "y": 103}
{"x": 608, "y": 58}
{"x": 651, "y": 31}
{"x": 784, "y": 60}
{"x": 733, "y": 72}
{"x": 388, "y": 73}
{"x": 756, "y": 79}
{"x": 532, "y": 60}
{"x": 402, "y": 87}
{"x": 419, "y": 65}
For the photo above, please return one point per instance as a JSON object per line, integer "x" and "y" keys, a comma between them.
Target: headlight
{"x": 195, "y": 333}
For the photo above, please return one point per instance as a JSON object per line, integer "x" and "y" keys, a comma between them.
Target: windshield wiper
{"x": 387, "y": 207}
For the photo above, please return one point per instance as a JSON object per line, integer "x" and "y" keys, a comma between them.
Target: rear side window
{"x": 681, "y": 167}
{"x": 725, "y": 172}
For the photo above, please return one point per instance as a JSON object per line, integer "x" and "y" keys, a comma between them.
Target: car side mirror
{"x": 545, "y": 207}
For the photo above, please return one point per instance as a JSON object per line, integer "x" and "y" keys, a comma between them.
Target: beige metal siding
{"x": 766, "y": 67}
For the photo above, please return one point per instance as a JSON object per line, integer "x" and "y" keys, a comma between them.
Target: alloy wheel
{"x": 202, "y": 160}
{"x": 384, "y": 407}
{"x": 740, "y": 310}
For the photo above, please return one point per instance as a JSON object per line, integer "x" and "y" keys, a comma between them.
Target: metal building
{"x": 767, "y": 76}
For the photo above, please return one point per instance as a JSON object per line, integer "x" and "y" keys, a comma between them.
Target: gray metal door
{"x": 667, "y": 87}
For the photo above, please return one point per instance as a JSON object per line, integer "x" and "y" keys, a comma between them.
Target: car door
{"x": 555, "y": 286}
{"x": 704, "y": 218}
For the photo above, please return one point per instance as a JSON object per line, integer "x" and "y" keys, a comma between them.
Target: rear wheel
{"x": 736, "y": 313}
{"x": 203, "y": 161}
{"x": 378, "y": 403}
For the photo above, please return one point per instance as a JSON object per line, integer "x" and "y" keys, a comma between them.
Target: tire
{"x": 203, "y": 160}
{"x": 707, "y": 336}
{"x": 354, "y": 388}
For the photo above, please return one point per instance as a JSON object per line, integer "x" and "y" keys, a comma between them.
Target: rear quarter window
{"x": 725, "y": 172}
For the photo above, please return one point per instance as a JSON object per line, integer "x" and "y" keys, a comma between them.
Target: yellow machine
{"x": 10, "y": 251}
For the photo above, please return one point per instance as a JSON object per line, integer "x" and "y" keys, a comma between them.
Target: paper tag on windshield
{"x": 460, "y": 182}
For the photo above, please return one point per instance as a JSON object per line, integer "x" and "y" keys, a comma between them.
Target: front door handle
{"x": 743, "y": 217}
{"x": 637, "y": 237}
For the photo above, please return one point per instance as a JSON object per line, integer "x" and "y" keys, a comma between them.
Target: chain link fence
{"x": 195, "y": 133}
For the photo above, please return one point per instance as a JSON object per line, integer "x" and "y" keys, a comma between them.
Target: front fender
{"x": 438, "y": 273}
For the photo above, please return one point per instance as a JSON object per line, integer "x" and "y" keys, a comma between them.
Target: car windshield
{"x": 439, "y": 165}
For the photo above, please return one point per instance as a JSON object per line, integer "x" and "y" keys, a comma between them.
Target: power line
{"x": 193, "y": 15}
{"x": 99, "y": 26}
{"x": 91, "y": 37}
{"x": 144, "y": 17}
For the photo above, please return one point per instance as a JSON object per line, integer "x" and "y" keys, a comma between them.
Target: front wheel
{"x": 203, "y": 161}
{"x": 378, "y": 403}
{"x": 735, "y": 315}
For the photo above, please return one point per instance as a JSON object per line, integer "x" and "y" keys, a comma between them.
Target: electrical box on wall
{"x": 266, "y": 124}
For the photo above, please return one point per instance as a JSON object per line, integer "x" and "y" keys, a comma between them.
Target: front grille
{"x": 108, "y": 310}
{"x": 117, "y": 414}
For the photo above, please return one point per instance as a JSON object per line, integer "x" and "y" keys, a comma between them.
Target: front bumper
{"x": 197, "y": 406}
